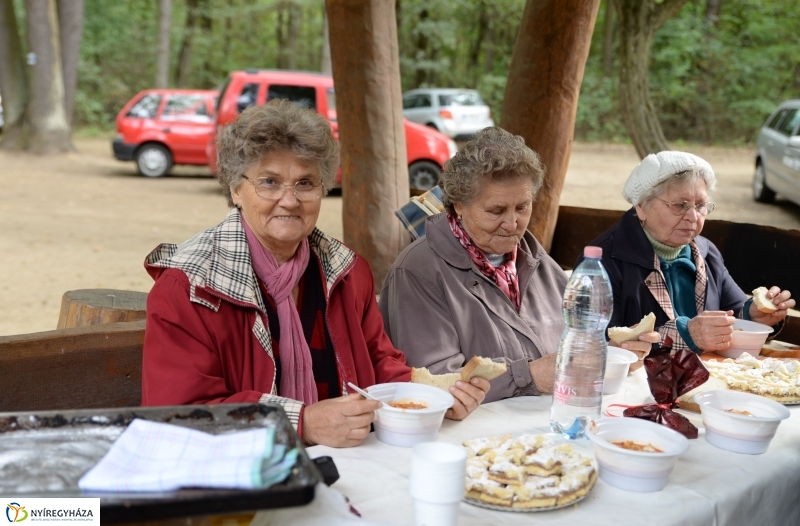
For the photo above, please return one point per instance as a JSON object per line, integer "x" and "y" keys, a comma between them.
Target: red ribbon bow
{"x": 670, "y": 376}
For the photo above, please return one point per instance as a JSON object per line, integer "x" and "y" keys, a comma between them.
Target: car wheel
{"x": 423, "y": 175}
{"x": 761, "y": 192}
{"x": 153, "y": 160}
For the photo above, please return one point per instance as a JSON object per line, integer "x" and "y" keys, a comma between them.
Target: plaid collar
{"x": 657, "y": 284}
{"x": 218, "y": 259}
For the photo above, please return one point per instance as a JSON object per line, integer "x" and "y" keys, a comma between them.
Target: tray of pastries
{"x": 776, "y": 379}
{"x": 527, "y": 473}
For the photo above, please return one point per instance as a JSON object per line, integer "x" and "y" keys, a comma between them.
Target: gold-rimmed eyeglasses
{"x": 680, "y": 208}
{"x": 271, "y": 189}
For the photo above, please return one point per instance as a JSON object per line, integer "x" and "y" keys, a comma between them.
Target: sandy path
{"x": 84, "y": 220}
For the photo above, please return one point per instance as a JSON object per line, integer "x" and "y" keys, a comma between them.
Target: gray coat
{"x": 441, "y": 311}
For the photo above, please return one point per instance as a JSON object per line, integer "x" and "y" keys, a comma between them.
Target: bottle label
{"x": 563, "y": 392}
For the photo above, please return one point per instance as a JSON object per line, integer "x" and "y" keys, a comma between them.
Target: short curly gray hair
{"x": 276, "y": 126}
{"x": 492, "y": 155}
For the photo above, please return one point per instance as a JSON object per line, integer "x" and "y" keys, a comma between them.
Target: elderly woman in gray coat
{"x": 479, "y": 284}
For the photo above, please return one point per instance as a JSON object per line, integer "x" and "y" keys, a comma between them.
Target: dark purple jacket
{"x": 628, "y": 258}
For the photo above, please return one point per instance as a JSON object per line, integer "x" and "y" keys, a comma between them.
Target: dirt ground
{"x": 84, "y": 220}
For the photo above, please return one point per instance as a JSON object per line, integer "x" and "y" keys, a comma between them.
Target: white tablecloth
{"x": 708, "y": 485}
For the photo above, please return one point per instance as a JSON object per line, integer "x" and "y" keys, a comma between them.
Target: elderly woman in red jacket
{"x": 265, "y": 307}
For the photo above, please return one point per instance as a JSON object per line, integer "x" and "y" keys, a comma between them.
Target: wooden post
{"x": 366, "y": 73}
{"x": 81, "y": 308}
{"x": 541, "y": 96}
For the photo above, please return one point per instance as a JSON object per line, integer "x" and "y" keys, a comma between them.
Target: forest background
{"x": 717, "y": 68}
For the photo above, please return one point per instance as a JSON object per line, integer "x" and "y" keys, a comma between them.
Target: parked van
{"x": 158, "y": 128}
{"x": 427, "y": 150}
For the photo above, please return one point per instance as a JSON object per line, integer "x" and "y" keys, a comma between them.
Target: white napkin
{"x": 152, "y": 456}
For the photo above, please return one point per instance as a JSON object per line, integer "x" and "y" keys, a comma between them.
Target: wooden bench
{"x": 84, "y": 367}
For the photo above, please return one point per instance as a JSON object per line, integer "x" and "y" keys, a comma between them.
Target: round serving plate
{"x": 495, "y": 507}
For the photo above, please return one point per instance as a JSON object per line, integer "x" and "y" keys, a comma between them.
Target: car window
{"x": 146, "y": 107}
{"x": 789, "y": 122}
{"x": 773, "y": 122}
{"x": 464, "y": 98}
{"x": 247, "y": 98}
{"x": 423, "y": 101}
{"x": 188, "y": 108}
{"x": 409, "y": 102}
{"x": 301, "y": 95}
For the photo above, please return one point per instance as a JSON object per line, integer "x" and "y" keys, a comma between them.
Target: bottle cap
{"x": 593, "y": 252}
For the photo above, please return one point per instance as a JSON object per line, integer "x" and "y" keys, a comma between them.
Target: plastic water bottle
{"x": 581, "y": 360}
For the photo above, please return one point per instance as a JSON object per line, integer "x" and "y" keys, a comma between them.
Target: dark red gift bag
{"x": 670, "y": 376}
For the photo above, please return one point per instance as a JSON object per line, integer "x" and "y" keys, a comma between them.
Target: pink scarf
{"x": 297, "y": 375}
{"x": 504, "y": 276}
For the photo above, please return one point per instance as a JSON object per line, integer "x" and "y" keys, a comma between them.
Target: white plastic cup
{"x": 436, "y": 482}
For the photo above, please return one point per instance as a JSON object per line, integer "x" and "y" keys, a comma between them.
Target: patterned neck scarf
{"x": 504, "y": 276}
{"x": 297, "y": 376}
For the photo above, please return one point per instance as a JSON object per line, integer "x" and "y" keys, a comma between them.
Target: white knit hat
{"x": 658, "y": 167}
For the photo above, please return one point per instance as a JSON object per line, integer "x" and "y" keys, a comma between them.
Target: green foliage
{"x": 709, "y": 84}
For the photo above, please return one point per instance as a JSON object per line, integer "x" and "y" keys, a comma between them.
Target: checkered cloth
{"x": 414, "y": 214}
{"x": 153, "y": 456}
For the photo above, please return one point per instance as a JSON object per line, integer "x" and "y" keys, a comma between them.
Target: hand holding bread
{"x": 468, "y": 385}
{"x": 637, "y": 339}
{"x": 770, "y": 306}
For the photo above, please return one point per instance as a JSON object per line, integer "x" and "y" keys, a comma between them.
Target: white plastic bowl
{"x": 618, "y": 362}
{"x": 635, "y": 470}
{"x": 748, "y": 336}
{"x": 408, "y": 427}
{"x": 740, "y": 433}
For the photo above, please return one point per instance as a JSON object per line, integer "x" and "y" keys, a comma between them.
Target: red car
{"x": 159, "y": 128}
{"x": 427, "y": 150}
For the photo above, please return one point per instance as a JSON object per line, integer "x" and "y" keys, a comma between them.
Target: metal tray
{"x": 45, "y": 453}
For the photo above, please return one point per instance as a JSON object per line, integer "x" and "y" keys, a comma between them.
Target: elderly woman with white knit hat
{"x": 658, "y": 261}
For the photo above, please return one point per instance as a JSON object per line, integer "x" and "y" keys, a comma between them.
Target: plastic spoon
{"x": 365, "y": 394}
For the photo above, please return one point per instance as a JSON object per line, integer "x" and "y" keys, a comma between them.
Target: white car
{"x": 778, "y": 155}
{"x": 457, "y": 113}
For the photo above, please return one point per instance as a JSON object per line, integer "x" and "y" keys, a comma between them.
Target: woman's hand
{"x": 641, "y": 347}
{"x": 543, "y": 372}
{"x": 781, "y": 299}
{"x": 468, "y": 397}
{"x": 339, "y": 422}
{"x": 711, "y": 330}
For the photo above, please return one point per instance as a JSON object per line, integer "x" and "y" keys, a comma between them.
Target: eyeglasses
{"x": 680, "y": 208}
{"x": 269, "y": 188}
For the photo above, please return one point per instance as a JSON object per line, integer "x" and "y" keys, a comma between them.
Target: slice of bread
{"x": 762, "y": 301}
{"x": 482, "y": 367}
{"x": 626, "y": 334}
{"x": 442, "y": 381}
{"x": 686, "y": 401}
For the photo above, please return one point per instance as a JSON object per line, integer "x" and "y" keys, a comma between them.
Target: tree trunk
{"x": 162, "y": 58}
{"x": 49, "y": 130}
{"x": 280, "y": 36}
{"x": 608, "y": 39}
{"x": 422, "y": 51}
{"x": 326, "y": 67}
{"x": 713, "y": 9}
{"x": 187, "y": 45}
{"x": 70, "y": 18}
{"x": 541, "y": 97}
{"x": 366, "y": 70}
{"x": 13, "y": 81}
{"x": 206, "y": 28}
{"x": 291, "y": 40}
{"x": 638, "y": 22}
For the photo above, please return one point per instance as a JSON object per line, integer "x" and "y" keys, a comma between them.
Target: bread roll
{"x": 477, "y": 366}
{"x": 482, "y": 367}
{"x": 762, "y": 301}
{"x": 626, "y": 334}
{"x": 442, "y": 381}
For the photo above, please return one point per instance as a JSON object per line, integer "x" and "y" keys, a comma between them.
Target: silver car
{"x": 457, "y": 113}
{"x": 778, "y": 155}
